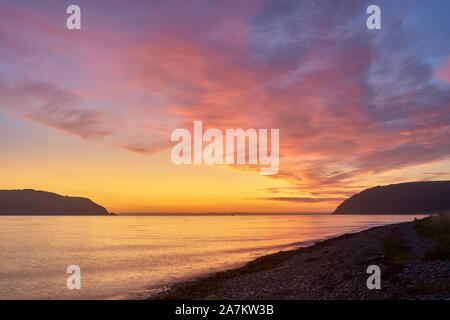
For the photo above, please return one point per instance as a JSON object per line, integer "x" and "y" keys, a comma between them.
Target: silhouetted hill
{"x": 404, "y": 198}
{"x": 32, "y": 202}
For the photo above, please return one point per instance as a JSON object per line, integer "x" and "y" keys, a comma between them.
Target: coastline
{"x": 333, "y": 269}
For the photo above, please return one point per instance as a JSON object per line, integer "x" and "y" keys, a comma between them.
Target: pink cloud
{"x": 342, "y": 113}
{"x": 443, "y": 71}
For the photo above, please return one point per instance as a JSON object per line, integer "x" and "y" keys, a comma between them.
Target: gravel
{"x": 331, "y": 269}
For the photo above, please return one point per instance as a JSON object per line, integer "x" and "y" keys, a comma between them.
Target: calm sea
{"x": 121, "y": 256}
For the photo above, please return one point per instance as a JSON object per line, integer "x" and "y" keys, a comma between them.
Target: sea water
{"x": 123, "y": 256}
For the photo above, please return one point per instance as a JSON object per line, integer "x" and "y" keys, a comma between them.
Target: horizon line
{"x": 218, "y": 213}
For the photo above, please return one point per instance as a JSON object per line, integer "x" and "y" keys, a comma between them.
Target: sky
{"x": 90, "y": 112}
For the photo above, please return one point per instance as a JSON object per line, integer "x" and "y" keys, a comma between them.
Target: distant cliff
{"x": 404, "y": 198}
{"x": 32, "y": 202}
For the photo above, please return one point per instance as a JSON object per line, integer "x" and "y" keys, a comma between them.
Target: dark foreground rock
{"x": 413, "y": 257}
{"x": 32, "y": 202}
